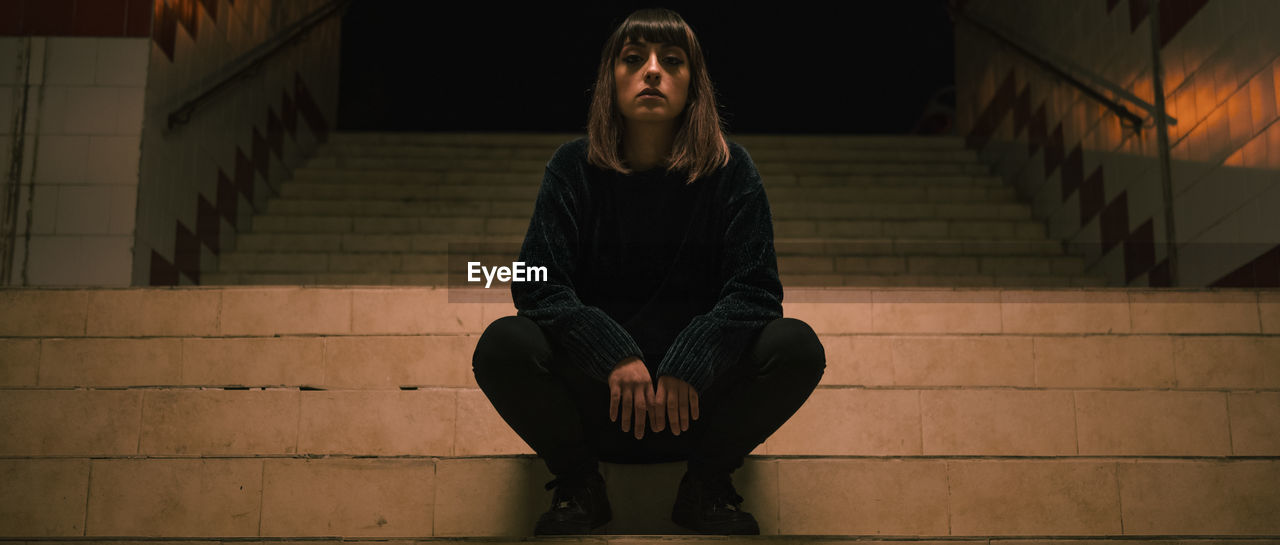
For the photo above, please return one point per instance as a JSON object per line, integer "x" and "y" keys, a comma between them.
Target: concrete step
{"x": 870, "y": 192}
{"x": 524, "y": 209}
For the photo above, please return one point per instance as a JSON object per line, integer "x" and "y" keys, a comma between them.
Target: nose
{"x": 652, "y": 68}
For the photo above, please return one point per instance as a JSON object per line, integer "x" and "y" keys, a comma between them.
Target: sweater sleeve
{"x": 591, "y": 339}
{"x": 750, "y": 298}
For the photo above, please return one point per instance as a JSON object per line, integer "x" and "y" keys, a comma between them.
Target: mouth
{"x": 650, "y": 91}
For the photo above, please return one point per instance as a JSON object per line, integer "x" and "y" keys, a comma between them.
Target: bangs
{"x": 655, "y": 29}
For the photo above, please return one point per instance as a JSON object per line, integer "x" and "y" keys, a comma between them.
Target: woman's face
{"x": 642, "y": 67}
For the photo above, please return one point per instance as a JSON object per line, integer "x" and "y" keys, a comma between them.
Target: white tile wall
{"x": 83, "y": 132}
{"x": 49, "y": 115}
{"x": 90, "y": 110}
{"x": 71, "y": 61}
{"x": 82, "y": 210}
{"x": 62, "y": 159}
{"x": 102, "y": 264}
{"x": 54, "y": 260}
{"x": 122, "y": 62}
{"x": 114, "y": 159}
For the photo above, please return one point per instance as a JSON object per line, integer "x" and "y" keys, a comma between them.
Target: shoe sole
{"x": 731, "y": 529}
{"x": 565, "y": 528}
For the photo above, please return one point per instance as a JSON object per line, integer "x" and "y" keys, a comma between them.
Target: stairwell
{"x": 381, "y": 209}
{"x": 1026, "y": 409}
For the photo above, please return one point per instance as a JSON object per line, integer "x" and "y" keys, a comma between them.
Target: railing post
{"x": 1162, "y": 142}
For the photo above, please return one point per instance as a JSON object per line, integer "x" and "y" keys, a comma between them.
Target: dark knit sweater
{"x": 682, "y": 276}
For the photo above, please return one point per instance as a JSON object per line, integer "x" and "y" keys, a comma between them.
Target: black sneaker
{"x": 712, "y": 506}
{"x": 578, "y": 506}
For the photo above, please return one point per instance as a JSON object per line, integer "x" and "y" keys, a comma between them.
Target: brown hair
{"x": 699, "y": 146}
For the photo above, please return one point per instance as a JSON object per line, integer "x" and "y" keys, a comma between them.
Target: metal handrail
{"x": 1040, "y": 60}
{"x": 250, "y": 61}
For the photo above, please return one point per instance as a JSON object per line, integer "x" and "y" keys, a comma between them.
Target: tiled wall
{"x": 1097, "y": 183}
{"x": 201, "y": 181}
{"x": 73, "y": 106}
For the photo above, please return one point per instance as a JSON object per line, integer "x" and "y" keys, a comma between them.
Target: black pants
{"x": 563, "y": 414}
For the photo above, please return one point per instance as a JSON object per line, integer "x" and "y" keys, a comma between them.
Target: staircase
{"x": 276, "y": 413}
{"x": 872, "y": 211}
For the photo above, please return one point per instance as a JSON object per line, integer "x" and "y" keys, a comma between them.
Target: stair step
{"x": 789, "y": 280}
{"x": 750, "y": 141}
{"x": 969, "y": 420}
{"x": 544, "y": 153}
{"x": 398, "y": 497}
{"x": 451, "y": 164}
{"x": 534, "y": 177}
{"x": 788, "y": 264}
{"x": 426, "y": 242}
{"x": 870, "y": 192}
{"x": 955, "y": 413}
{"x": 516, "y": 226}
{"x": 198, "y": 311}
{"x": 524, "y": 209}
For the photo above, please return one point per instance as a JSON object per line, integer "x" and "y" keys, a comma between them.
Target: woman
{"x": 663, "y": 299}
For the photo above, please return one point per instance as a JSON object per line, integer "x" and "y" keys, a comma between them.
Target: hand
{"x": 631, "y": 388}
{"x": 675, "y": 399}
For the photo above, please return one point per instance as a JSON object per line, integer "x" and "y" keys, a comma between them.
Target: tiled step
{"x": 869, "y": 192}
{"x": 896, "y": 228}
{"x": 516, "y": 226}
{"x": 241, "y": 311}
{"x": 370, "y": 225}
{"x": 945, "y": 499}
{"x": 891, "y": 265}
{"x": 524, "y": 209}
{"x": 894, "y": 421}
{"x": 500, "y": 165}
{"x": 222, "y": 278}
{"x": 544, "y": 153}
{"x": 426, "y": 242}
{"x": 204, "y": 413}
{"x": 751, "y": 141}
{"x": 789, "y": 280}
{"x": 870, "y": 280}
{"x": 533, "y": 178}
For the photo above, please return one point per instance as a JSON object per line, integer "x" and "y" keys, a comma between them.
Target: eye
{"x": 631, "y": 59}
{"x": 675, "y": 61}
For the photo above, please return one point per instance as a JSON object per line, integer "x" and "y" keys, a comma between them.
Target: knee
{"x": 509, "y": 340}
{"x": 793, "y": 342}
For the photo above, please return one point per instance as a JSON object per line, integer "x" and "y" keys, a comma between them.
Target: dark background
{"x": 866, "y": 67}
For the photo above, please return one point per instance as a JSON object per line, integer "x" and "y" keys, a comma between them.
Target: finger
{"x": 626, "y": 409}
{"x": 693, "y": 403}
{"x": 684, "y": 408}
{"x": 656, "y": 410}
{"x": 673, "y": 410}
{"x": 615, "y": 396}
{"x": 642, "y": 406}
